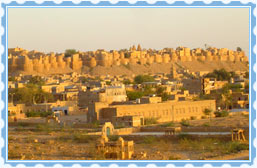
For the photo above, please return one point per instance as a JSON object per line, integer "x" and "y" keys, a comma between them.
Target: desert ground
{"x": 40, "y": 141}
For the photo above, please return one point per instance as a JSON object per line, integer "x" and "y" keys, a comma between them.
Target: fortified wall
{"x": 34, "y": 61}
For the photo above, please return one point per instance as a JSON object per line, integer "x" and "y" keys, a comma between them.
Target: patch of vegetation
{"x": 233, "y": 147}
{"x": 127, "y": 82}
{"x": 183, "y": 136}
{"x": 169, "y": 124}
{"x": 185, "y": 123}
{"x": 133, "y": 95}
{"x": 31, "y": 93}
{"x": 207, "y": 112}
{"x": 108, "y": 82}
{"x": 150, "y": 121}
{"x": 70, "y": 52}
{"x": 139, "y": 79}
{"x": 220, "y": 75}
{"x": 210, "y": 145}
{"x": 223, "y": 113}
{"x": 44, "y": 128}
{"x": 149, "y": 139}
{"x": 24, "y": 124}
{"x": 206, "y": 124}
{"x": 36, "y": 80}
{"x": 82, "y": 138}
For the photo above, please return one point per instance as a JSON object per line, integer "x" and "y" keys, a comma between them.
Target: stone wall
{"x": 37, "y": 62}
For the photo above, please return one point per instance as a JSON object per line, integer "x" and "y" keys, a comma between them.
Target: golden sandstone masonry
{"x": 37, "y": 62}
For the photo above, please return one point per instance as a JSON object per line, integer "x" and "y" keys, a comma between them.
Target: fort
{"x": 31, "y": 62}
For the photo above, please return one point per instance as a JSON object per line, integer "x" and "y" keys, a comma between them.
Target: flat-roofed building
{"x": 163, "y": 112}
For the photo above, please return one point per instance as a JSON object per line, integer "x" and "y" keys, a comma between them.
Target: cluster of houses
{"x": 105, "y": 99}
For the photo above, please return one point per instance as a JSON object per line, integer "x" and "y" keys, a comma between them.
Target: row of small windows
{"x": 166, "y": 112}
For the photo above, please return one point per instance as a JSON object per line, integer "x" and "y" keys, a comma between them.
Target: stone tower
{"x": 173, "y": 73}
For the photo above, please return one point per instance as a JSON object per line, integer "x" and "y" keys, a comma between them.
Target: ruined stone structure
{"x": 237, "y": 135}
{"x": 38, "y": 62}
{"x": 118, "y": 149}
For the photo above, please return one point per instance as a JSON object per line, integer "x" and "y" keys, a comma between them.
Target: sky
{"x": 87, "y": 29}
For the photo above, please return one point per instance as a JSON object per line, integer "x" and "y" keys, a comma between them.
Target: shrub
{"x": 169, "y": 124}
{"x": 133, "y": 95}
{"x": 185, "y": 123}
{"x": 150, "y": 139}
{"x": 80, "y": 138}
{"x": 206, "y": 124}
{"x": 143, "y": 78}
{"x": 222, "y": 113}
{"x": 43, "y": 127}
{"x": 183, "y": 136}
{"x": 233, "y": 147}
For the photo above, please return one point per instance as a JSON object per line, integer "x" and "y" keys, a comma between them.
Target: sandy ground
{"x": 47, "y": 143}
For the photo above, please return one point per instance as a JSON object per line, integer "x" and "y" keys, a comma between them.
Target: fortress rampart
{"x": 34, "y": 61}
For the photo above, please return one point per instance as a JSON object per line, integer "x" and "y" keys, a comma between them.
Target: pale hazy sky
{"x": 57, "y": 29}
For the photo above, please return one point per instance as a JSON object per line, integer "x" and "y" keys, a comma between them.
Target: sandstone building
{"x": 37, "y": 62}
{"x": 162, "y": 111}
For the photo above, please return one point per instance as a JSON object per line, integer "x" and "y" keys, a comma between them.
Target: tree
{"x": 36, "y": 80}
{"x": 246, "y": 75}
{"x": 70, "y": 52}
{"x": 238, "y": 49}
{"x": 134, "y": 95}
{"x": 30, "y": 94}
{"x": 207, "y": 112}
{"x": 221, "y": 75}
{"x": 139, "y": 79}
{"x": 226, "y": 96}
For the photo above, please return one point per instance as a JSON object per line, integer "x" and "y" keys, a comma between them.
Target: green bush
{"x": 143, "y": 78}
{"x": 185, "y": 123}
{"x": 222, "y": 113}
{"x": 133, "y": 95}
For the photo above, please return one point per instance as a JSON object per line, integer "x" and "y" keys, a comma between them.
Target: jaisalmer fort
{"x": 128, "y": 104}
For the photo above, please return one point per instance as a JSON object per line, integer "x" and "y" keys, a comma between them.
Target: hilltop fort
{"x": 35, "y": 62}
